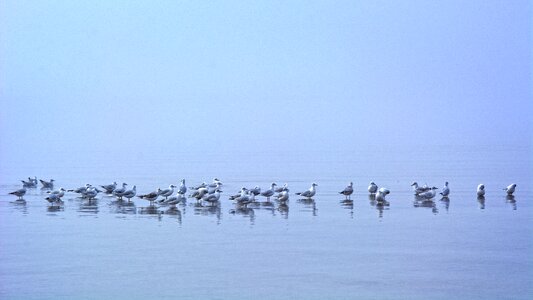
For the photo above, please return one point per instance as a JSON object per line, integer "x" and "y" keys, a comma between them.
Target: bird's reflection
{"x": 209, "y": 210}
{"x": 511, "y": 200}
{"x": 381, "y": 206}
{"x": 309, "y": 205}
{"x": 481, "y": 201}
{"x": 283, "y": 209}
{"x": 55, "y": 208}
{"x": 426, "y": 203}
{"x": 149, "y": 210}
{"x": 89, "y": 206}
{"x": 122, "y": 207}
{"x": 20, "y": 205}
{"x": 446, "y": 202}
{"x": 244, "y": 211}
{"x": 175, "y": 213}
{"x": 347, "y": 204}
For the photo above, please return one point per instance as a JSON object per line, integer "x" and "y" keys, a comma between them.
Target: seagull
{"x": 34, "y": 180}
{"x": 47, "y": 184}
{"x": 256, "y": 190}
{"x": 348, "y": 191}
{"x": 109, "y": 188}
{"x": 19, "y": 193}
{"x": 445, "y": 190}
{"x": 29, "y": 184}
{"x": 429, "y": 194}
{"x": 120, "y": 191}
{"x": 481, "y": 190}
{"x": 310, "y": 192}
{"x": 372, "y": 188}
{"x": 212, "y": 190}
{"x": 183, "y": 188}
{"x": 202, "y": 185}
{"x": 245, "y": 199}
{"x": 130, "y": 193}
{"x": 173, "y": 201}
{"x": 241, "y": 193}
{"x": 81, "y": 190}
{"x": 285, "y": 187}
{"x": 167, "y": 192}
{"x": 54, "y": 198}
{"x": 419, "y": 189}
{"x": 199, "y": 193}
{"x": 270, "y": 192}
{"x": 283, "y": 196}
{"x": 382, "y": 192}
{"x": 150, "y": 197}
{"x": 60, "y": 192}
{"x": 510, "y": 189}
{"x": 216, "y": 183}
{"x": 91, "y": 193}
{"x": 213, "y": 197}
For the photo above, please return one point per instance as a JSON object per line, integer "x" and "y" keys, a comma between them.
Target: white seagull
{"x": 310, "y": 192}
{"x": 348, "y": 191}
{"x": 445, "y": 190}
{"x": 481, "y": 190}
{"x": 372, "y": 188}
{"x": 510, "y": 189}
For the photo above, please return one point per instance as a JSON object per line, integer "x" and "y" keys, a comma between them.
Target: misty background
{"x": 124, "y": 81}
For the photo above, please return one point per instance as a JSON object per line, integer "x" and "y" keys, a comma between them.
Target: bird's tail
{"x": 298, "y": 194}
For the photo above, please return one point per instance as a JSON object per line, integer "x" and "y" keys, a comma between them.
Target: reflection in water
{"x": 175, "y": 213}
{"x": 446, "y": 201}
{"x": 209, "y": 210}
{"x": 149, "y": 210}
{"x": 511, "y": 200}
{"x": 122, "y": 207}
{"x": 55, "y": 208}
{"x": 283, "y": 209}
{"x": 89, "y": 206}
{"x": 426, "y": 203}
{"x": 379, "y": 205}
{"x": 245, "y": 212}
{"x": 309, "y": 204}
{"x": 347, "y": 204}
{"x": 20, "y": 205}
{"x": 481, "y": 200}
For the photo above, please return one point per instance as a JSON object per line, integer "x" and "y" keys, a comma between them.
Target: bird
{"x": 199, "y": 193}
{"x": 182, "y": 188}
{"x": 130, "y": 193}
{"x": 216, "y": 183}
{"x": 285, "y": 187}
{"x": 212, "y": 198}
{"x": 34, "y": 180}
{"x": 270, "y": 192}
{"x": 167, "y": 192}
{"x": 29, "y": 184}
{"x": 283, "y": 196}
{"x": 109, "y": 188}
{"x": 91, "y": 193}
{"x": 256, "y": 190}
{"x": 150, "y": 196}
{"x": 348, "y": 191}
{"x": 47, "y": 184}
{"x": 120, "y": 191}
{"x": 173, "y": 201}
{"x": 310, "y": 192}
{"x": 419, "y": 189}
{"x": 54, "y": 198}
{"x": 19, "y": 193}
{"x": 372, "y": 188}
{"x": 81, "y": 190}
{"x": 60, "y": 192}
{"x": 510, "y": 189}
{"x": 429, "y": 194}
{"x": 445, "y": 190}
{"x": 382, "y": 192}
{"x": 481, "y": 190}
{"x": 201, "y": 185}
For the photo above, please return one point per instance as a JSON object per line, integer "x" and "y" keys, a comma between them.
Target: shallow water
{"x": 464, "y": 248}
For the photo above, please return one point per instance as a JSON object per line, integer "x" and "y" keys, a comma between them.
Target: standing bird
{"x": 510, "y": 189}
{"x": 120, "y": 191}
{"x": 150, "y": 197}
{"x": 310, "y": 192}
{"x": 109, "y": 188}
{"x": 429, "y": 194}
{"x": 130, "y": 193}
{"x": 382, "y": 192}
{"x": 29, "y": 184}
{"x": 256, "y": 190}
{"x": 419, "y": 189}
{"x": 283, "y": 196}
{"x": 445, "y": 190}
{"x": 270, "y": 192}
{"x": 47, "y": 184}
{"x": 348, "y": 191}
{"x": 372, "y": 188}
{"x": 481, "y": 190}
{"x": 285, "y": 187}
{"x": 183, "y": 188}
{"x": 19, "y": 193}
{"x": 167, "y": 192}
{"x": 212, "y": 198}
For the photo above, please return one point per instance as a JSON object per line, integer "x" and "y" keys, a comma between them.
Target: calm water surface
{"x": 463, "y": 248}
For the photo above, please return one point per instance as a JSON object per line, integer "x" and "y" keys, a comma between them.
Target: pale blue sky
{"x": 119, "y": 76}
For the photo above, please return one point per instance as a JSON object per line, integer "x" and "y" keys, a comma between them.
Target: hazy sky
{"x": 119, "y": 76}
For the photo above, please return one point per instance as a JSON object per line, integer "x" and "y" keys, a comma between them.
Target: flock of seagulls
{"x": 209, "y": 194}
